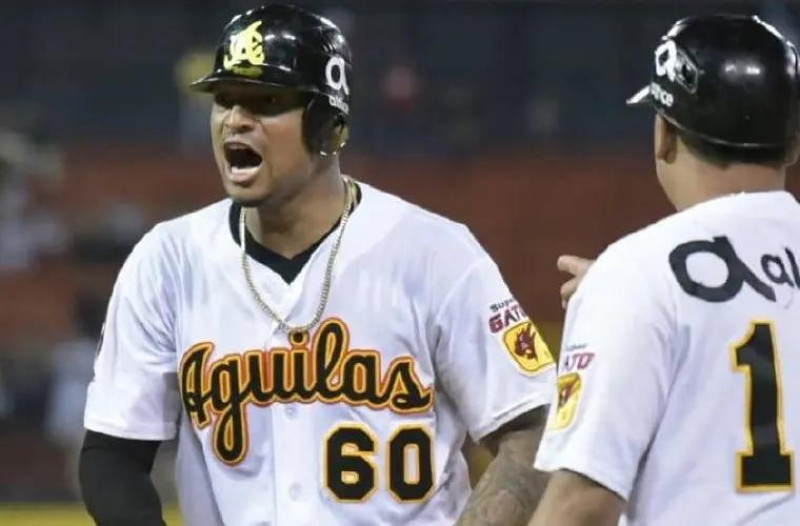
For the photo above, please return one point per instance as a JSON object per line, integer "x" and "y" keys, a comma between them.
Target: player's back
{"x": 728, "y": 272}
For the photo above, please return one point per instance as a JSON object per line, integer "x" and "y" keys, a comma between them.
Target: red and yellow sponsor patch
{"x": 526, "y": 346}
{"x": 569, "y": 394}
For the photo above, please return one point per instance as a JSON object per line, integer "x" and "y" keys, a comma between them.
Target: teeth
{"x": 238, "y": 170}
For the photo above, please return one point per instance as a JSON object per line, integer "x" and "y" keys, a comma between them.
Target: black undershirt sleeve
{"x": 115, "y": 481}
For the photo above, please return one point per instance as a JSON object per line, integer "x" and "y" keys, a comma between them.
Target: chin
{"x": 246, "y": 197}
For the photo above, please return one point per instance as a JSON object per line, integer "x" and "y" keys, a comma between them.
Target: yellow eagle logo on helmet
{"x": 246, "y": 46}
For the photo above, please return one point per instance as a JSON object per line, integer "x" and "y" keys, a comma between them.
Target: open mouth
{"x": 241, "y": 157}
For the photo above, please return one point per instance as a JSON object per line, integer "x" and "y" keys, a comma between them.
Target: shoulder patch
{"x": 527, "y": 347}
{"x": 570, "y": 389}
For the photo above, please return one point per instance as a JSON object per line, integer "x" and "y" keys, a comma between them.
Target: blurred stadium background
{"x": 506, "y": 115}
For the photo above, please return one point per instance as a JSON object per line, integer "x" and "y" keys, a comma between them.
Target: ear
{"x": 340, "y": 135}
{"x": 666, "y": 140}
{"x": 334, "y": 135}
{"x": 325, "y": 129}
{"x": 334, "y": 138}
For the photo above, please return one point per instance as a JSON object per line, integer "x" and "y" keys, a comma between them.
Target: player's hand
{"x": 577, "y": 266}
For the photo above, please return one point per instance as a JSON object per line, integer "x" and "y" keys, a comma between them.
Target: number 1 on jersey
{"x": 766, "y": 464}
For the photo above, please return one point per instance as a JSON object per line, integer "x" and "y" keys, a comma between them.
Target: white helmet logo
{"x": 335, "y": 75}
{"x": 666, "y": 59}
{"x": 661, "y": 95}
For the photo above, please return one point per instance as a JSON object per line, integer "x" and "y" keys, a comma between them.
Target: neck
{"x": 708, "y": 182}
{"x": 298, "y": 221}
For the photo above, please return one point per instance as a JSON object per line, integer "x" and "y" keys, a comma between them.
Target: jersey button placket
{"x": 294, "y": 462}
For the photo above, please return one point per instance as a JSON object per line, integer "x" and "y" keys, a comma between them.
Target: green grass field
{"x": 58, "y": 515}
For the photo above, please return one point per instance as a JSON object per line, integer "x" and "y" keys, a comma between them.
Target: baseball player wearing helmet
{"x": 319, "y": 348}
{"x": 677, "y": 395}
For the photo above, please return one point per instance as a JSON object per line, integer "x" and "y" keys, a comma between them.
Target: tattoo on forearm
{"x": 510, "y": 489}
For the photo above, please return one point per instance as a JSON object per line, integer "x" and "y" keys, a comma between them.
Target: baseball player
{"x": 677, "y": 395}
{"x": 319, "y": 348}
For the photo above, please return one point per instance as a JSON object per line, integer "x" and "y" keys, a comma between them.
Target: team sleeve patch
{"x": 527, "y": 347}
{"x": 570, "y": 389}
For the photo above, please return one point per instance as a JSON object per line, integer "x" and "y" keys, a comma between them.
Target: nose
{"x": 239, "y": 119}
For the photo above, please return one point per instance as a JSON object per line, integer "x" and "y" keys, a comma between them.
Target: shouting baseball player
{"x": 319, "y": 347}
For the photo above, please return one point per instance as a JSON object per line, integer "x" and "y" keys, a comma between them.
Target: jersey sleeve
{"x": 134, "y": 393}
{"x": 490, "y": 358}
{"x": 613, "y": 377}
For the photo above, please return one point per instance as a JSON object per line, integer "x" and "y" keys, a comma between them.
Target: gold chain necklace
{"x": 349, "y": 197}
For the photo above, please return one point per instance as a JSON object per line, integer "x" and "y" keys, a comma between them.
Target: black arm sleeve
{"x": 115, "y": 481}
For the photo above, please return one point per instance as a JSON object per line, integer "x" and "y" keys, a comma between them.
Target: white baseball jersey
{"x": 678, "y": 377}
{"x": 360, "y": 422}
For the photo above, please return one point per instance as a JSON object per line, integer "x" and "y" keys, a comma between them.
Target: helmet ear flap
{"x": 325, "y": 128}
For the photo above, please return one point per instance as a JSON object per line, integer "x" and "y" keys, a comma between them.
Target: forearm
{"x": 509, "y": 490}
{"x": 116, "y": 484}
{"x": 572, "y": 499}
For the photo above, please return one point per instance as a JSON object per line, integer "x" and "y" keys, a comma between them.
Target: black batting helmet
{"x": 727, "y": 79}
{"x": 285, "y": 46}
